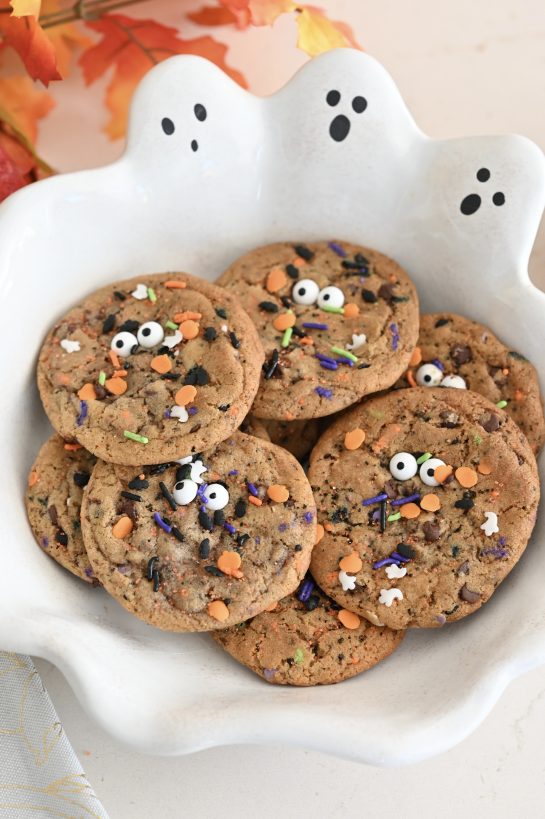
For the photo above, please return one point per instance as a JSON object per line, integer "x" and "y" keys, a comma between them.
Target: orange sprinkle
{"x": 306, "y": 340}
{"x": 430, "y": 503}
{"x": 189, "y": 329}
{"x": 416, "y": 357}
{"x": 185, "y": 395}
{"x": 229, "y": 563}
{"x": 466, "y": 477}
{"x": 495, "y": 493}
{"x": 218, "y": 610}
{"x": 161, "y": 364}
{"x": 187, "y": 315}
{"x": 72, "y": 447}
{"x": 121, "y": 373}
{"x": 351, "y": 563}
{"x": 276, "y": 280}
{"x": 349, "y": 619}
{"x": 409, "y": 511}
{"x": 442, "y": 472}
{"x": 329, "y": 527}
{"x": 63, "y": 378}
{"x": 114, "y": 358}
{"x": 87, "y": 393}
{"x": 116, "y": 386}
{"x": 278, "y": 493}
{"x": 484, "y": 468}
{"x": 354, "y": 439}
{"x": 519, "y": 395}
{"x": 320, "y": 532}
{"x": 33, "y": 478}
{"x": 174, "y": 284}
{"x": 410, "y": 378}
{"x": 123, "y": 527}
{"x": 351, "y": 310}
{"x": 289, "y": 416}
{"x": 254, "y": 500}
{"x": 505, "y": 371}
{"x": 283, "y": 321}
{"x": 386, "y": 438}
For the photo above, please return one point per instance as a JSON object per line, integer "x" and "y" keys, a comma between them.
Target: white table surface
{"x": 464, "y": 67}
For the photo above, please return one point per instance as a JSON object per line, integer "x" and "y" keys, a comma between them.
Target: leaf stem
{"x": 81, "y": 10}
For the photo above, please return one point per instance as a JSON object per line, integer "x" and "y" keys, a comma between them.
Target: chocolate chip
{"x": 361, "y": 259}
{"x": 219, "y": 517}
{"x": 53, "y": 517}
{"x": 492, "y": 423}
{"x": 240, "y": 508}
{"x": 138, "y": 483}
{"x": 210, "y": 334}
{"x": 221, "y": 312}
{"x": 304, "y": 252}
{"x": 405, "y": 550}
{"x": 234, "y": 340}
{"x": 286, "y": 302}
{"x": 205, "y": 521}
{"x": 292, "y": 271}
{"x": 465, "y": 503}
{"x": 390, "y": 489}
{"x": 109, "y": 323}
{"x": 268, "y": 306}
{"x": 127, "y": 507}
{"x": 119, "y": 295}
{"x": 463, "y": 568}
{"x": 129, "y": 326}
{"x": 432, "y": 531}
{"x": 204, "y": 548}
{"x": 468, "y": 595}
{"x": 368, "y": 296}
{"x": 197, "y": 376}
{"x": 516, "y": 356}
{"x": 100, "y": 392}
{"x": 61, "y": 537}
{"x": 441, "y": 322}
{"x": 385, "y": 292}
{"x": 81, "y": 478}
{"x": 461, "y": 354}
{"x": 449, "y": 418}
{"x": 224, "y": 407}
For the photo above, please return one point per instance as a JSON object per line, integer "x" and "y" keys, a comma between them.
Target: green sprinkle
{"x": 299, "y": 656}
{"x": 478, "y": 440}
{"x": 141, "y": 439}
{"x": 151, "y": 294}
{"x": 333, "y": 310}
{"x": 286, "y": 338}
{"x": 501, "y": 404}
{"x": 344, "y": 353}
{"x": 170, "y": 325}
{"x": 394, "y": 517}
{"x": 102, "y": 378}
{"x": 376, "y": 413}
{"x": 423, "y": 458}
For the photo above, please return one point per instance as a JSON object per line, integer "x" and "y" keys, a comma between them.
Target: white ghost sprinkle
{"x": 172, "y": 341}
{"x": 395, "y": 572}
{"x": 490, "y": 526}
{"x": 70, "y": 346}
{"x": 387, "y": 596}
{"x": 140, "y": 293}
{"x": 347, "y": 581}
{"x": 358, "y": 340}
{"x": 454, "y": 382}
{"x": 197, "y": 469}
{"x": 186, "y": 460}
{"x": 180, "y": 413}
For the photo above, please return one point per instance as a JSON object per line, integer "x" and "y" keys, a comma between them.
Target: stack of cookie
{"x": 185, "y": 410}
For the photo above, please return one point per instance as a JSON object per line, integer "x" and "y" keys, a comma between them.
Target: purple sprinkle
{"x": 257, "y": 540}
{"x": 123, "y": 569}
{"x": 282, "y": 527}
{"x": 167, "y": 413}
{"x": 192, "y": 410}
{"x": 399, "y": 558}
{"x": 325, "y": 358}
{"x": 362, "y": 279}
{"x": 376, "y": 499}
{"x": 82, "y": 413}
{"x": 45, "y": 542}
{"x": 409, "y": 499}
{"x": 306, "y": 589}
{"x": 438, "y": 364}
{"x": 161, "y": 523}
{"x": 495, "y": 552}
{"x": 387, "y": 561}
{"x": 502, "y": 541}
{"x": 323, "y": 392}
{"x": 309, "y": 517}
{"x": 441, "y": 619}
{"x": 395, "y": 336}
{"x": 230, "y": 528}
{"x": 89, "y": 571}
{"x": 252, "y": 489}
{"x": 376, "y": 515}
{"x": 338, "y": 249}
{"x": 269, "y": 673}
{"x": 313, "y": 325}
{"x": 346, "y": 361}
{"x": 201, "y": 489}
{"x": 327, "y": 366}
{"x": 233, "y": 472}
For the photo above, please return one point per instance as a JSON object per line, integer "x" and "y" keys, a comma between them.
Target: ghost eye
{"x": 150, "y": 334}
{"x": 216, "y": 496}
{"x": 167, "y": 125}
{"x": 305, "y": 292}
{"x": 184, "y": 492}
{"x": 427, "y": 471}
{"x": 330, "y": 297}
{"x": 428, "y": 375}
{"x": 403, "y": 466}
{"x": 454, "y": 381}
{"x": 124, "y": 343}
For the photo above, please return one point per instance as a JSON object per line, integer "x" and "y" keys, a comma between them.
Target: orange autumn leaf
{"x": 22, "y": 105}
{"x": 318, "y": 34}
{"x": 265, "y": 12}
{"x": 29, "y": 40}
{"x": 24, "y": 8}
{"x": 132, "y": 47}
{"x": 211, "y": 16}
{"x": 66, "y": 38}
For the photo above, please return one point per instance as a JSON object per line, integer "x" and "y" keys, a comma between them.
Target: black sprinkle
{"x": 219, "y": 517}
{"x": 131, "y": 496}
{"x": 221, "y": 312}
{"x": 109, "y": 324}
{"x": 465, "y": 503}
{"x": 177, "y": 534}
{"x": 119, "y": 295}
{"x": 240, "y": 508}
{"x": 167, "y": 496}
{"x": 138, "y": 483}
{"x": 399, "y": 299}
{"x": 268, "y": 306}
{"x": 361, "y": 259}
{"x": 81, "y": 478}
{"x": 304, "y": 252}
{"x": 349, "y": 265}
{"x": 129, "y": 326}
{"x": 205, "y": 521}
{"x": 241, "y": 539}
{"x": 363, "y": 366}
{"x": 368, "y": 296}
{"x": 234, "y": 340}
{"x": 156, "y": 577}
{"x": 224, "y": 407}
{"x": 270, "y": 366}
{"x": 197, "y": 376}
{"x": 210, "y": 334}
{"x": 441, "y": 322}
{"x": 312, "y": 603}
{"x": 383, "y": 516}
{"x": 204, "y": 549}
{"x": 171, "y": 376}
{"x": 405, "y": 550}
{"x": 151, "y": 567}
{"x": 158, "y": 469}
{"x": 286, "y": 301}
{"x": 214, "y": 570}
{"x": 292, "y": 271}
{"x": 297, "y": 332}
{"x": 61, "y": 537}
{"x": 183, "y": 472}
{"x": 298, "y": 548}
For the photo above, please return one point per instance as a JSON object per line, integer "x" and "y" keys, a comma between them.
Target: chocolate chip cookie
{"x": 204, "y": 543}
{"x": 150, "y": 369}
{"x": 426, "y": 499}
{"x": 337, "y": 322}
{"x": 55, "y": 488}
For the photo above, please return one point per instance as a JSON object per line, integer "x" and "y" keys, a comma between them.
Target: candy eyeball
{"x": 124, "y": 343}
{"x": 216, "y": 496}
{"x": 403, "y": 466}
{"x": 427, "y": 471}
{"x": 305, "y": 291}
{"x": 428, "y": 375}
{"x": 330, "y": 297}
{"x": 454, "y": 381}
{"x": 150, "y": 334}
{"x": 184, "y": 492}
